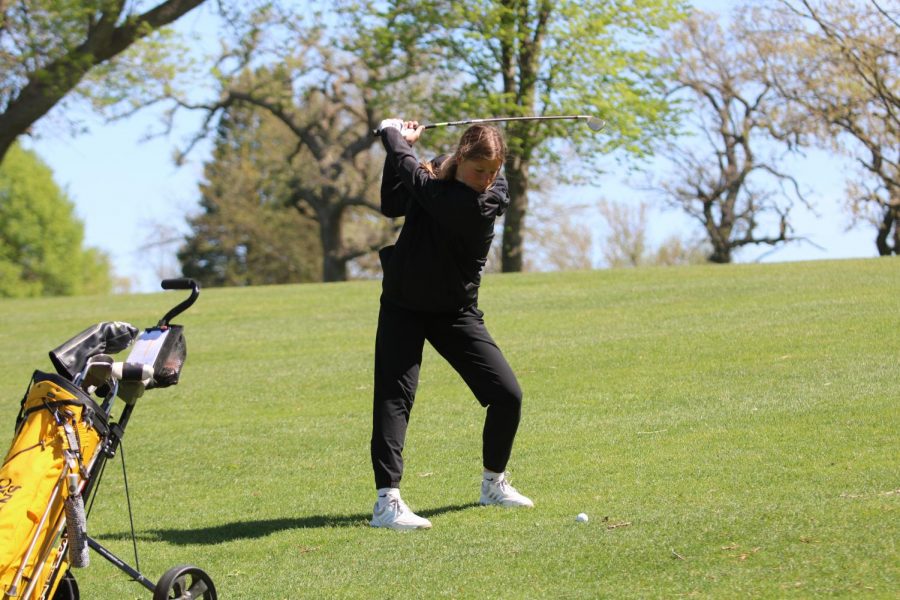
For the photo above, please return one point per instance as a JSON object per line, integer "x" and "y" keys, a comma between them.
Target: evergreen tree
{"x": 246, "y": 234}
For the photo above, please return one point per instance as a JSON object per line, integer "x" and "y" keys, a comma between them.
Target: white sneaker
{"x": 497, "y": 490}
{"x": 392, "y": 512}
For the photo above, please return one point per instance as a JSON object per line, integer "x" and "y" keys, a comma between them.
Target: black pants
{"x": 465, "y": 343}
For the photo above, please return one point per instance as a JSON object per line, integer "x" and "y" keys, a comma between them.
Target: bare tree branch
{"x": 714, "y": 182}
{"x": 835, "y": 67}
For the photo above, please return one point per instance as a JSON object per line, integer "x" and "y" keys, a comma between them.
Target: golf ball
{"x": 582, "y": 518}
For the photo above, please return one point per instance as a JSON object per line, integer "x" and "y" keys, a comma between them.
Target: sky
{"x": 125, "y": 188}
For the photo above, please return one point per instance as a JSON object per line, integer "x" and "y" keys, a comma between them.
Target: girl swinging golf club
{"x": 430, "y": 292}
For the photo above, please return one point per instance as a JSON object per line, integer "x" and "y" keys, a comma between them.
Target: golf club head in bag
{"x": 96, "y": 373}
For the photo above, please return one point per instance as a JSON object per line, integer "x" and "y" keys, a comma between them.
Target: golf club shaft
{"x": 593, "y": 122}
{"x": 502, "y": 119}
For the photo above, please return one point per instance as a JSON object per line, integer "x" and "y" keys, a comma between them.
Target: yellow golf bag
{"x": 58, "y": 436}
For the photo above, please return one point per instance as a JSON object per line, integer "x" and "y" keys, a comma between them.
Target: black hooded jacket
{"x": 436, "y": 264}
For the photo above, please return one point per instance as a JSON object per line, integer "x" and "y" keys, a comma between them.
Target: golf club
{"x": 594, "y": 123}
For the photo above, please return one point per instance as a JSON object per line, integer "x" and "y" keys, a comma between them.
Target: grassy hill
{"x": 731, "y": 431}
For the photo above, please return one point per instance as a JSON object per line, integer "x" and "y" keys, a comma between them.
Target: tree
{"x": 245, "y": 233}
{"x": 728, "y": 179}
{"x": 329, "y": 170}
{"x": 558, "y": 238}
{"x": 41, "y": 251}
{"x": 47, "y": 48}
{"x": 836, "y": 67}
{"x": 627, "y": 243}
{"x": 326, "y": 92}
{"x": 541, "y": 57}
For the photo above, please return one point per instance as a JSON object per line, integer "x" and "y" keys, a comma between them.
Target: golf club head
{"x": 97, "y": 371}
{"x": 596, "y": 124}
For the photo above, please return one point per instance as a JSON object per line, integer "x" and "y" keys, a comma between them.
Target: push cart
{"x": 69, "y": 425}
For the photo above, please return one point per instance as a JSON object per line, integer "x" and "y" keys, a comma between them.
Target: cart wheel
{"x": 184, "y": 582}
{"x": 67, "y": 588}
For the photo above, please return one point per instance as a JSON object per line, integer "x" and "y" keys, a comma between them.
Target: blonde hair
{"x": 478, "y": 142}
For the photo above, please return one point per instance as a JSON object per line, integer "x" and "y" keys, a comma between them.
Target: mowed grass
{"x": 731, "y": 431}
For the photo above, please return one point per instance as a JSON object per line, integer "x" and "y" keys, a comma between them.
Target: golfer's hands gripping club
{"x": 410, "y": 130}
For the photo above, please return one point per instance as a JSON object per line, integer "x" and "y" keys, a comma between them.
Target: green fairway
{"x": 732, "y": 431}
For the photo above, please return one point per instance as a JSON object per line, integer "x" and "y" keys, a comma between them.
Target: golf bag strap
{"x": 21, "y": 416}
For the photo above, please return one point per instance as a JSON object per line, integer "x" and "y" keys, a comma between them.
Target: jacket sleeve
{"x": 394, "y": 194}
{"x": 453, "y": 204}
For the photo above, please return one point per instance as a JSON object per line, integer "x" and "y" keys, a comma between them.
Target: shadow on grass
{"x": 243, "y": 530}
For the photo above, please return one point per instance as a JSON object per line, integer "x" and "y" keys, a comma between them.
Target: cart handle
{"x": 179, "y": 284}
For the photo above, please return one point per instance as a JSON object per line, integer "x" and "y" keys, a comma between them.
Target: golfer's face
{"x": 478, "y": 174}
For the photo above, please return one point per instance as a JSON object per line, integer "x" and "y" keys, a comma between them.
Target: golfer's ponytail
{"x": 429, "y": 166}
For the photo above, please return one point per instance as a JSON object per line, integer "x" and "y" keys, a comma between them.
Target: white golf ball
{"x": 582, "y": 518}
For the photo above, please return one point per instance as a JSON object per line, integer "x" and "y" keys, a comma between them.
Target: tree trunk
{"x": 334, "y": 265}
{"x": 514, "y": 221}
{"x": 720, "y": 238}
{"x": 6, "y": 141}
{"x": 520, "y": 57}
{"x": 891, "y": 221}
{"x": 720, "y": 254}
{"x": 897, "y": 230}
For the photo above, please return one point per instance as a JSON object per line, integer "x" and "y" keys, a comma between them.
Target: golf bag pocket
{"x": 58, "y": 435}
{"x": 163, "y": 348}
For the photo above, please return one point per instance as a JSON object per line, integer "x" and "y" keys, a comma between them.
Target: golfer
{"x": 430, "y": 292}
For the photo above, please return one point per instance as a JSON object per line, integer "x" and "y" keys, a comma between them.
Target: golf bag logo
{"x": 7, "y": 489}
